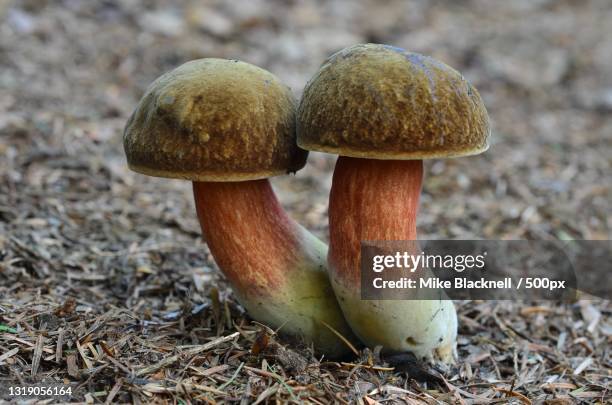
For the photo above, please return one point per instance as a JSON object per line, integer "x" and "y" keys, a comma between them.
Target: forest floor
{"x": 107, "y": 287}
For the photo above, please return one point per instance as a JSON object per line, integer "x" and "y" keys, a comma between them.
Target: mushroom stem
{"x": 276, "y": 267}
{"x": 378, "y": 200}
{"x": 370, "y": 200}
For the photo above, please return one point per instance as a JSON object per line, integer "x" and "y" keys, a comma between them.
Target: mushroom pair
{"x": 227, "y": 126}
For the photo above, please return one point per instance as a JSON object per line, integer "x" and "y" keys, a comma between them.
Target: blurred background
{"x": 72, "y": 71}
{"x": 75, "y": 222}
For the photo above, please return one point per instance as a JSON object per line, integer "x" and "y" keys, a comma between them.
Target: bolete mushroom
{"x": 384, "y": 110}
{"x": 227, "y": 126}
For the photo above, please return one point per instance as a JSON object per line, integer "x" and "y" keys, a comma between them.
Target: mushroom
{"x": 228, "y": 126}
{"x": 384, "y": 110}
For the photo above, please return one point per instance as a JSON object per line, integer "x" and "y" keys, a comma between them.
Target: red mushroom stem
{"x": 276, "y": 267}
{"x": 377, "y": 200}
{"x": 370, "y": 200}
{"x": 248, "y": 233}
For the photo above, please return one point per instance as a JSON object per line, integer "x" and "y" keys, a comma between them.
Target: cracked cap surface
{"x": 214, "y": 120}
{"x": 382, "y": 102}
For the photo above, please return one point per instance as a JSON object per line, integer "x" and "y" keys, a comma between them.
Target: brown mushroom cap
{"x": 214, "y": 120}
{"x": 381, "y": 102}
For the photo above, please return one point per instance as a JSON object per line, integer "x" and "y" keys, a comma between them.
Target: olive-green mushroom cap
{"x": 382, "y": 102}
{"x": 214, "y": 120}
